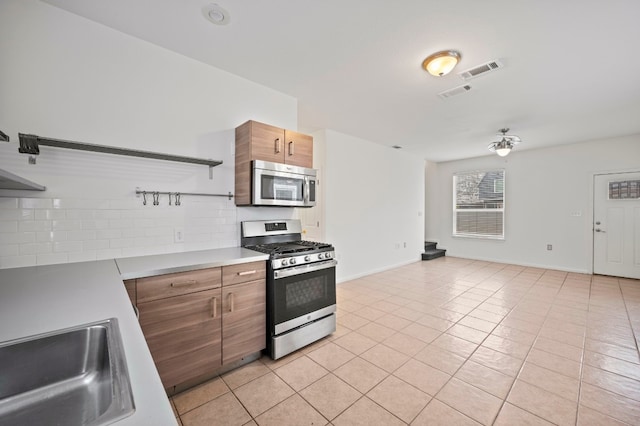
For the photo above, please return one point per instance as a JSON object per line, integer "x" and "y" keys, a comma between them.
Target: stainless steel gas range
{"x": 301, "y": 284}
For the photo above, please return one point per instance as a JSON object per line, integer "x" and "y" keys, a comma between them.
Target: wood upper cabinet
{"x": 259, "y": 141}
{"x": 265, "y": 142}
{"x": 298, "y": 149}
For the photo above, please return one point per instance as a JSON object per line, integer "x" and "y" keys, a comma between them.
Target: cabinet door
{"x": 267, "y": 143}
{"x": 298, "y": 149}
{"x": 183, "y": 334}
{"x": 244, "y": 320}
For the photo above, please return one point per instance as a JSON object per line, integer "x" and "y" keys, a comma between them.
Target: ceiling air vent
{"x": 455, "y": 91}
{"x": 481, "y": 70}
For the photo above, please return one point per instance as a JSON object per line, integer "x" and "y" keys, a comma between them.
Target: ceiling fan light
{"x": 441, "y": 63}
{"x": 504, "y": 151}
{"x": 504, "y": 146}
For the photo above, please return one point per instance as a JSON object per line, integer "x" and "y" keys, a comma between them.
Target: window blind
{"x": 478, "y": 204}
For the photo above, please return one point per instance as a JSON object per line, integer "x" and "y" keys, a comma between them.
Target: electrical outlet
{"x": 397, "y": 246}
{"x": 549, "y": 247}
{"x": 405, "y": 244}
{"x": 178, "y": 235}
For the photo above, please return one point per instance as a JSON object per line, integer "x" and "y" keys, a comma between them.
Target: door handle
{"x": 600, "y": 230}
{"x": 230, "y": 302}
{"x": 243, "y": 273}
{"x": 291, "y": 143}
{"x": 183, "y": 283}
{"x": 214, "y": 307}
{"x": 277, "y": 145}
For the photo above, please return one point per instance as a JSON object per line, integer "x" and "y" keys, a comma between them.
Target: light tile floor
{"x": 449, "y": 342}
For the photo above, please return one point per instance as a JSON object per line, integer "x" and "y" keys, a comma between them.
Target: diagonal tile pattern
{"x": 450, "y": 341}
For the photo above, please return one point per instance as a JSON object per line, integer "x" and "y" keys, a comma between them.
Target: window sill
{"x": 479, "y": 237}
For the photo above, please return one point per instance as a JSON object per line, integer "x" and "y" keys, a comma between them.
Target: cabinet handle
{"x": 277, "y": 145}
{"x": 184, "y": 283}
{"x": 247, "y": 272}
{"x": 291, "y": 143}
{"x": 230, "y": 302}
{"x": 214, "y": 307}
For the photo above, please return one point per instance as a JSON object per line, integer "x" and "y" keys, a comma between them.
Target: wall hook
{"x": 169, "y": 197}
{"x": 177, "y": 198}
{"x": 144, "y": 198}
{"x": 156, "y": 198}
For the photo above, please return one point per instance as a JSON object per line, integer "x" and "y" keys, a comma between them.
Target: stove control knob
{"x": 292, "y": 261}
{"x": 284, "y": 262}
{"x": 307, "y": 258}
{"x": 327, "y": 255}
{"x": 320, "y": 256}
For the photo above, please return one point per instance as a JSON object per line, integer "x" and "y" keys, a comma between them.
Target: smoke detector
{"x": 482, "y": 69}
{"x": 216, "y": 14}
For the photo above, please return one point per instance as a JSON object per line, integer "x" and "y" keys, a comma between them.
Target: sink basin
{"x": 76, "y": 376}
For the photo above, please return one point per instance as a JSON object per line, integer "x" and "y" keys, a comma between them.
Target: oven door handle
{"x": 303, "y": 269}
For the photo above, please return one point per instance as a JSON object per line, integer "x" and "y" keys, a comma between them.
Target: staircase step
{"x": 433, "y": 254}
{"x": 430, "y": 245}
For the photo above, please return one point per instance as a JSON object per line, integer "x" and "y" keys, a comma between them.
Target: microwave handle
{"x": 306, "y": 190}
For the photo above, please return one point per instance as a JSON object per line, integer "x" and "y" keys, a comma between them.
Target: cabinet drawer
{"x": 163, "y": 286}
{"x": 243, "y": 273}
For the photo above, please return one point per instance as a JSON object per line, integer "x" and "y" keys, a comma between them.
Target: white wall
{"x": 65, "y": 77}
{"x": 542, "y": 189}
{"x": 374, "y": 204}
{"x": 430, "y": 189}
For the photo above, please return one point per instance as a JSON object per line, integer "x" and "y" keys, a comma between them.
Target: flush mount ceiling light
{"x": 216, "y": 14}
{"x": 506, "y": 143}
{"x": 441, "y": 63}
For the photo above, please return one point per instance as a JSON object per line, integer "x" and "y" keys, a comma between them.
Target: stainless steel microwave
{"x": 276, "y": 184}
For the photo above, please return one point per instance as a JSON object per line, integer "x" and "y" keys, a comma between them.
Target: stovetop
{"x": 288, "y": 248}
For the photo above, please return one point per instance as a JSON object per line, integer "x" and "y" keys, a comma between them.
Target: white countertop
{"x": 41, "y": 299}
{"x": 147, "y": 266}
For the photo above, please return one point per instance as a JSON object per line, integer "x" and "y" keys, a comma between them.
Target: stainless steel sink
{"x": 76, "y": 376}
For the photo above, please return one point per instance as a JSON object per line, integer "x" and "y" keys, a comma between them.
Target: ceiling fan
{"x": 504, "y": 146}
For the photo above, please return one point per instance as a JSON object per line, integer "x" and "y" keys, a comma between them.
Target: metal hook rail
{"x": 176, "y": 195}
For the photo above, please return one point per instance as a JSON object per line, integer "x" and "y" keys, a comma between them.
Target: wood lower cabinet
{"x": 243, "y": 320}
{"x": 184, "y": 334}
{"x": 195, "y": 322}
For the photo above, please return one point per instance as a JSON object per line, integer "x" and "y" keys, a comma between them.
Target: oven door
{"x": 302, "y": 294}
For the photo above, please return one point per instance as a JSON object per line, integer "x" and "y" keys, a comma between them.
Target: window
{"x": 478, "y": 204}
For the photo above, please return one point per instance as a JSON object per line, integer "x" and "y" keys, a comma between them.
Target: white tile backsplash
{"x": 36, "y": 231}
{"x": 54, "y": 236}
{"x": 51, "y": 258}
{"x": 36, "y": 203}
{"x": 9, "y": 203}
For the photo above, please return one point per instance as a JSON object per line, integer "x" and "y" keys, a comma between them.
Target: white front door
{"x": 616, "y": 224}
